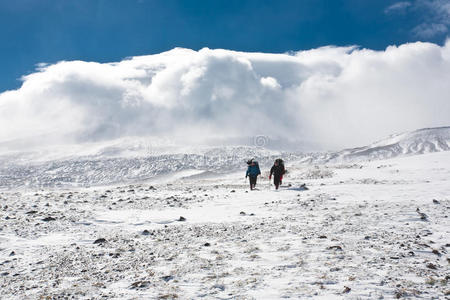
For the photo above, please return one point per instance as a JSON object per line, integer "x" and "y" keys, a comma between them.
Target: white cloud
{"x": 337, "y": 96}
{"x": 399, "y": 7}
{"x": 436, "y": 14}
{"x": 270, "y": 82}
{"x": 426, "y": 30}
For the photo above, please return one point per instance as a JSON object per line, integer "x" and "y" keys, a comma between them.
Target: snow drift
{"x": 337, "y": 96}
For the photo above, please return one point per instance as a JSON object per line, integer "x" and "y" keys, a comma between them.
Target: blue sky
{"x": 99, "y": 30}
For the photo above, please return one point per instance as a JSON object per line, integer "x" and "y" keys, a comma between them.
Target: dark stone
{"x": 182, "y": 219}
{"x": 242, "y": 213}
{"x": 431, "y": 266}
{"x": 100, "y": 241}
{"x": 140, "y": 284}
{"x": 436, "y": 252}
{"x": 346, "y": 289}
{"x": 48, "y": 219}
{"x": 322, "y": 237}
{"x": 435, "y": 201}
{"x": 335, "y": 269}
{"x": 31, "y": 212}
{"x": 145, "y": 232}
{"x": 167, "y": 278}
{"x": 232, "y": 191}
{"x": 398, "y": 295}
{"x": 12, "y": 253}
{"x": 335, "y": 247}
{"x": 207, "y": 244}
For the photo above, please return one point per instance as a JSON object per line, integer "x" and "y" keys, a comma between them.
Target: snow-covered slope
{"x": 420, "y": 141}
{"x": 101, "y": 169}
{"x": 132, "y": 160}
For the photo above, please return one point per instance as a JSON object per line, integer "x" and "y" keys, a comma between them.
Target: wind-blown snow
{"x": 335, "y": 96}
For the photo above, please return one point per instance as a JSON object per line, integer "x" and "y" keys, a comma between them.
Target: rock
{"x": 242, "y": 213}
{"x": 431, "y": 266}
{"x": 435, "y": 201}
{"x": 100, "y": 241}
{"x": 140, "y": 284}
{"x": 422, "y": 215}
{"x": 182, "y": 219}
{"x": 207, "y": 244}
{"x": 346, "y": 289}
{"x": 435, "y": 251}
{"x": 31, "y": 212}
{"x": 167, "y": 278}
{"x": 322, "y": 237}
{"x": 398, "y": 294}
{"x": 335, "y": 247}
{"x": 145, "y": 232}
{"x": 219, "y": 286}
{"x": 335, "y": 269}
{"x": 232, "y": 191}
{"x": 12, "y": 253}
{"x": 48, "y": 219}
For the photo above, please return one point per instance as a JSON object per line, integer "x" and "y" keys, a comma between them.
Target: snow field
{"x": 370, "y": 230}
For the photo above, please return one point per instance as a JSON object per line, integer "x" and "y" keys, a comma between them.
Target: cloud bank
{"x": 335, "y": 96}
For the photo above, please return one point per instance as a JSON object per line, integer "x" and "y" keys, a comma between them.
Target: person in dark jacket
{"x": 277, "y": 171}
{"x": 252, "y": 172}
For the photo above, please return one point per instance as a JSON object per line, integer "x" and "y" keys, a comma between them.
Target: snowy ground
{"x": 369, "y": 230}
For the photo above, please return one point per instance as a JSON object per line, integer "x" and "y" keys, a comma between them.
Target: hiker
{"x": 252, "y": 172}
{"x": 278, "y": 171}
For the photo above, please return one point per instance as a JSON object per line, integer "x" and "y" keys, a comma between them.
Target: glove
{"x": 246, "y": 176}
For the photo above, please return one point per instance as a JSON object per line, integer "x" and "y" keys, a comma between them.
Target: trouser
{"x": 252, "y": 181}
{"x": 277, "y": 181}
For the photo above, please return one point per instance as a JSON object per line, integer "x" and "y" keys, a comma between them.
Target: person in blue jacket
{"x": 252, "y": 172}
